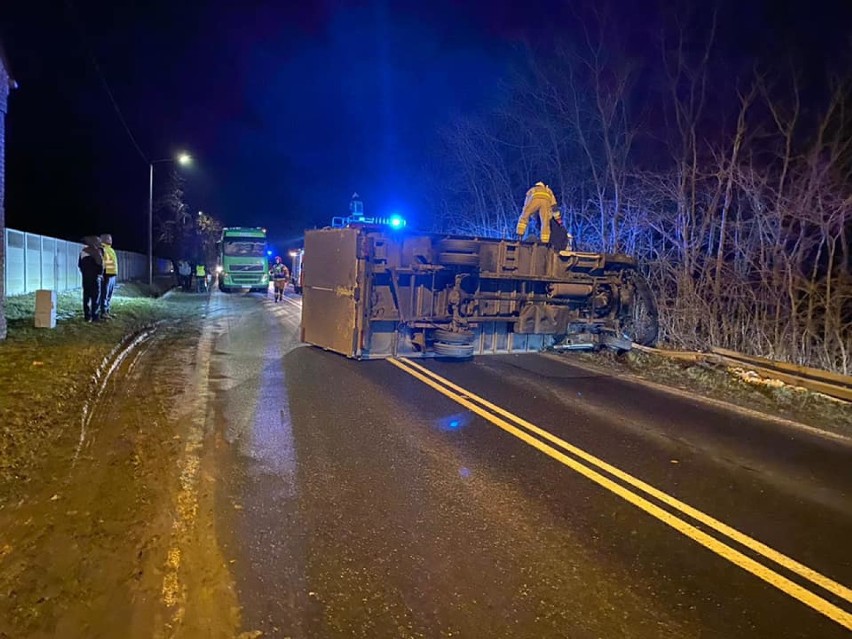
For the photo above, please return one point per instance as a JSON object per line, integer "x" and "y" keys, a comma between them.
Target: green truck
{"x": 243, "y": 260}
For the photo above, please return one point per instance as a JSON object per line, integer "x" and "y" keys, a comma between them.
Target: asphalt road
{"x": 510, "y": 496}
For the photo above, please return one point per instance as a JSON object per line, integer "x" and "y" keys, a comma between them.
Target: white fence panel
{"x": 36, "y": 262}
{"x": 62, "y": 282}
{"x": 15, "y": 281}
{"x": 133, "y": 266}
{"x": 72, "y": 274}
{"x": 49, "y": 265}
{"x": 32, "y": 262}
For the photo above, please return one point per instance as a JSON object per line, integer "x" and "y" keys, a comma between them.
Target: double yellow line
{"x": 602, "y": 473}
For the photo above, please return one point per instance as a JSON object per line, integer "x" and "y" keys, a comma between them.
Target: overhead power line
{"x": 77, "y": 23}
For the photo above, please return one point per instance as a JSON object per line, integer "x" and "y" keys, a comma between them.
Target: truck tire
{"x": 454, "y": 351}
{"x": 643, "y": 325}
{"x": 452, "y": 337}
{"x": 458, "y": 246}
{"x": 458, "y": 259}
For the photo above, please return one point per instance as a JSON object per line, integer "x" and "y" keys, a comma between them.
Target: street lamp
{"x": 183, "y": 159}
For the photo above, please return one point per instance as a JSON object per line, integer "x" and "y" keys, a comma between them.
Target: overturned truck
{"x": 370, "y": 292}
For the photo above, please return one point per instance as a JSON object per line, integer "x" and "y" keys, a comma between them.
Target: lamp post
{"x": 183, "y": 159}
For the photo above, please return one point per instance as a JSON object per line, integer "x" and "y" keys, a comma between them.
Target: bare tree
{"x": 743, "y": 226}
{"x": 208, "y": 230}
{"x": 174, "y": 223}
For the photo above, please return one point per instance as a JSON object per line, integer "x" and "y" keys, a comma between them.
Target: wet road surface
{"x": 511, "y": 496}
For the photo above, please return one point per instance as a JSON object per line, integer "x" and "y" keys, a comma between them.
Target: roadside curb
{"x": 719, "y": 403}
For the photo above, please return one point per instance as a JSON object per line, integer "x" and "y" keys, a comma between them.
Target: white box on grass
{"x": 46, "y": 320}
{"x": 45, "y": 301}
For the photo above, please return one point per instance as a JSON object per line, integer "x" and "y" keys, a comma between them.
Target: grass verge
{"x": 46, "y": 374}
{"x": 730, "y": 385}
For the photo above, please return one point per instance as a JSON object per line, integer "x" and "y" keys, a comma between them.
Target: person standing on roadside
{"x": 200, "y": 278}
{"x": 91, "y": 265}
{"x": 110, "y": 274}
{"x": 280, "y": 274}
{"x": 185, "y": 274}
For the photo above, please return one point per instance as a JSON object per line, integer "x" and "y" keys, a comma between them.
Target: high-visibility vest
{"x": 110, "y": 260}
{"x": 200, "y": 270}
{"x": 280, "y": 272}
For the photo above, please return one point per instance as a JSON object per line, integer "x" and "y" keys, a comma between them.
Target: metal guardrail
{"x": 832, "y": 384}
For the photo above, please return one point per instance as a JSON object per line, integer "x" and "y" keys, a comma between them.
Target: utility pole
{"x": 6, "y": 86}
{"x": 151, "y": 224}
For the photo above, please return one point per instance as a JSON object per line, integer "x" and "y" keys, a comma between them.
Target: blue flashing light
{"x": 269, "y": 253}
{"x": 454, "y": 423}
{"x": 396, "y": 222}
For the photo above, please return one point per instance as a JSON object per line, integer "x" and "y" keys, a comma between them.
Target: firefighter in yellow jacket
{"x": 540, "y": 199}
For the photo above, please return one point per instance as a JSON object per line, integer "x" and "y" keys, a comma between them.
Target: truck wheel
{"x": 458, "y": 259}
{"x": 642, "y": 325}
{"x": 452, "y": 337}
{"x": 458, "y": 246}
{"x": 455, "y": 351}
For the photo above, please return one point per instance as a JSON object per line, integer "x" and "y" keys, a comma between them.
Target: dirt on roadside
{"x": 48, "y": 375}
{"x": 105, "y": 528}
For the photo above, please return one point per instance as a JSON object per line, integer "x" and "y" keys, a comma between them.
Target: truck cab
{"x": 243, "y": 260}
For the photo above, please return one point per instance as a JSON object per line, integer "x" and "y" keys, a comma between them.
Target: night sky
{"x": 289, "y": 107}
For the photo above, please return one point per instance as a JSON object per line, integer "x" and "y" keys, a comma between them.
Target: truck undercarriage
{"x": 373, "y": 293}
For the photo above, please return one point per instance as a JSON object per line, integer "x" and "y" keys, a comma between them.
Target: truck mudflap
{"x": 370, "y": 294}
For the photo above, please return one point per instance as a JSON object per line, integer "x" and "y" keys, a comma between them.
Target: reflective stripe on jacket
{"x": 110, "y": 260}
{"x": 540, "y": 193}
